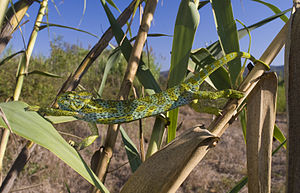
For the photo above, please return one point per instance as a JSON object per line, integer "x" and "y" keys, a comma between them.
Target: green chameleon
{"x": 83, "y": 106}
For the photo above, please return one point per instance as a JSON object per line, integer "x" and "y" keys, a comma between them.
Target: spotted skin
{"x": 83, "y": 106}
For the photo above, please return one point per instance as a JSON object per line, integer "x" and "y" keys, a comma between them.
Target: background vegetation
{"x": 64, "y": 58}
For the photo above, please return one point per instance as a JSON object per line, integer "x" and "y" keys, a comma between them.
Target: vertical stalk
{"x": 126, "y": 85}
{"x": 12, "y": 19}
{"x": 156, "y": 136}
{"x": 4, "y": 140}
{"x": 21, "y": 73}
{"x": 3, "y": 7}
{"x": 26, "y": 57}
{"x": 261, "y": 115}
{"x": 186, "y": 24}
{"x": 292, "y": 90}
{"x": 141, "y": 137}
{"x": 228, "y": 36}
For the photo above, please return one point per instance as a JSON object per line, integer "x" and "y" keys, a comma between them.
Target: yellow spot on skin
{"x": 171, "y": 93}
{"x": 160, "y": 99}
{"x": 140, "y": 108}
{"x": 150, "y": 110}
{"x": 146, "y": 99}
{"x": 167, "y": 107}
{"x": 112, "y": 110}
{"x": 127, "y": 118}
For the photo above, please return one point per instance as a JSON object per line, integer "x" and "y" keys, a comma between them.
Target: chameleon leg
{"x": 201, "y": 106}
{"x": 212, "y": 95}
{"x": 51, "y": 111}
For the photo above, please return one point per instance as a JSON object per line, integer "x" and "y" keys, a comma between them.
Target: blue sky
{"x": 95, "y": 21}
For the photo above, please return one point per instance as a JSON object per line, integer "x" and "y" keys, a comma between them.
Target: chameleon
{"x": 83, "y": 106}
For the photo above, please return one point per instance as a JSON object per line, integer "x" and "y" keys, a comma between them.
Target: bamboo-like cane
{"x": 20, "y": 77}
{"x": 126, "y": 86}
{"x": 13, "y": 17}
{"x": 3, "y": 7}
{"x": 292, "y": 90}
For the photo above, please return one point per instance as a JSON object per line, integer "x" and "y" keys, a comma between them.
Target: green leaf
{"x": 153, "y": 35}
{"x": 187, "y": 21}
{"x": 67, "y": 187}
{"x": 131, "y": 151}
{"x": 173, "y": 118}
{"x": 243, "y": 120}
{"x": 239, "y": 185}
{"x": 228, "y": 36}
{"x": 220, "y": 77}
{"x": 10, "y": 56}
{"x": 215, "y": 49}
{"x": 113, "y": 59}
{"x": 67, "y": 27}
{"x": 276, "y": 150}
{"x": 60, "y": 119}
{"x": 83, "y": 13}
{"x": 243, "y": 32}
{"x": 156, "y": 136}
{"x": 135, "y": 8}
{"x": 56, "y": 8}
{"x": 113, "y": 4}
{"x": 85, "y": 142}
{"x": 43, "y": 73}
{"x": 274, "y": 9}
{"x": 32, "y": 126}
{"x": 279, "y": 135}
{"x": 93, "y": 128}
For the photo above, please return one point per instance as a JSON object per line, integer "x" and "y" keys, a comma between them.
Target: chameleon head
{"x": 74, "y": 101}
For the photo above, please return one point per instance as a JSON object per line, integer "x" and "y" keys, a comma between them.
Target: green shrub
{"x": 62, "y": 61}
